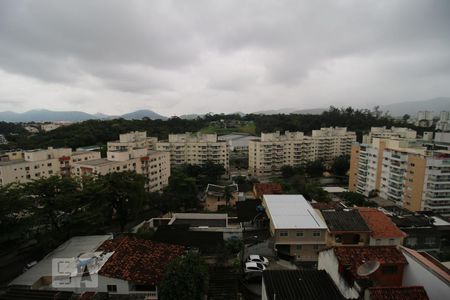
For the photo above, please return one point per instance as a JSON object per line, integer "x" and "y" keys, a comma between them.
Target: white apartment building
{"x": 444, "y": 121}
{"x": 24, "y": 166}
{"x": 403, "y": 172}
{"x": 424, "y": 118}
{"x": 274, "y": 150}
{"x": 131, "y": 140}
{"x": 393, "y": 132}
{"x": 130, "y": 153}
{"x": 195, "y": 149}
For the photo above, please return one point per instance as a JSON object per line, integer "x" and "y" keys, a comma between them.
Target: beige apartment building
{"x": 274, "y": 150}
{"x": 297, "y": 229}
{"x": 195, "y": 149}
{"x": 132, "y": 140}
{"x": 24, "y": 166}
{"x": 391, "y": 133}
{"x": 404, "y": 172}
{"x": 130, "y": 153}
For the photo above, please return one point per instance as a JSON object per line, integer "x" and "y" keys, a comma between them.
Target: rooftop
{"x": 72, "y": 248}
{"x": 137, "y": 260}
{"x": 345, "y": 221}
{"x": 354, "y": 257}
{"x": 268, "y": 189}
{"x": 398, "y": 293}
{"x": 96, "y": 162}
{"x": 300, "y": 284}
{"x": 220, "y": 189}
{"x": 380, "y": 224}
{"x": 198, "y": 219}
{"x": 291, "y": 212}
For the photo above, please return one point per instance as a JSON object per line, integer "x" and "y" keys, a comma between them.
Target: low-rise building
{"x": 120, "y": 266}
{"x": 401, "y": 292}
{"x": 218, "y": 197}
{"x": 383, "y": 231}
{"x": 296, "y": 228}
{"x": 266, "y": 188}
{"x": 346, "y": 228}
{"x": 195, "y": 149}
{"x": 353, "y": 269}
{"x": 274, "y": 150}
{"x": 391, "y": 133}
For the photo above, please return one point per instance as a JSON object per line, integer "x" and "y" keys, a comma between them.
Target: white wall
{"x": 416, "y": 274}
{"x": 328, "y": 262}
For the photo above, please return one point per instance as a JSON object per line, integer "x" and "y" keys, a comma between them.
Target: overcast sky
{"x": 178, "y": 57}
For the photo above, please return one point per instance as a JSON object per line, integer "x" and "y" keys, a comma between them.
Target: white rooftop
{"x": 70, "y": 249}
{"x": 292, "y": 212}
{"x": 334, "y": 189}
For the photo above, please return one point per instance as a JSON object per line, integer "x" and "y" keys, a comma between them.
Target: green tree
{"x": 352, "y": 198}
{"x": 181, "y": 191}
{"x": 315, "y": 168}
{"x": 186, "y": 278}
{"x": 341, "y": 165}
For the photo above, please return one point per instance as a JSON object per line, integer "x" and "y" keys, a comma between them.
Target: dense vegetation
{"x": 96, "y": 132}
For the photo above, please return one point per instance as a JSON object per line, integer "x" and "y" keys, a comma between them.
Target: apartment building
{"x": 274, "y": 150}
{"x": 24, "y": 166}
{"x": 296, "y": 228}
{"x": 131, "y": 140}
{"x": 195, "y": 149}
{"x": 404, "y": 172}
{"x": 155, "y": 165}
{"x": 391, "y": 133}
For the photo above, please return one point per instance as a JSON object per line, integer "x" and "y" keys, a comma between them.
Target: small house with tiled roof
{"x": 383, "y": 231}
{"x": 353, "y": 269}
{"x": 346, "y": 227}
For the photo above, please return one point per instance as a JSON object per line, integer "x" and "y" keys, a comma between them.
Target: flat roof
{"x": 71, "y": 248}
{"x": 96, "y": 162}
{"x": 334, "y": 189}
{"x": 292, "y": 212}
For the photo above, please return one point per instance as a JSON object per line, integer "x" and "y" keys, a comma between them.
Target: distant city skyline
{"x": 178, "y": 57}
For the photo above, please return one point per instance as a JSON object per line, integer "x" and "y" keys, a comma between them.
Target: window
{"x": 284, "y": 233}
{"x": 298, "y": 247}
{"x": 411, "y": 241}
{"x": 112, "y": 288}
{"x": 429, "y": 241}
{"x": 316, "y": 247}
{"x": 316, "y": 233}
{"x": 391, "y": 241}
{"x": 299, "y": 233}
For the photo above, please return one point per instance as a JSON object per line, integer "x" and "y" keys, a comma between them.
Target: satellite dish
{"x": 368, "y": 268}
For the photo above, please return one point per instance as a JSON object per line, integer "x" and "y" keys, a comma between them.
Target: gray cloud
{"x": 199, "y": 56}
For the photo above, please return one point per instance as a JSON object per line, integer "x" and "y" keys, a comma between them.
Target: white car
{"x": 258, "y": 259}
{"x": 254, "y": 267}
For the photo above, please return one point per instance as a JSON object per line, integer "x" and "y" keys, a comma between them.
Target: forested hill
{"x": 97, "y": 132}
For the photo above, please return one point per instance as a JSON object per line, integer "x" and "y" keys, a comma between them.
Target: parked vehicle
{"x": 258, "y": 259}
{"x": 254, "y": 267}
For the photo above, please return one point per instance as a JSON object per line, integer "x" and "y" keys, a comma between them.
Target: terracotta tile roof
{"x": 138, "y": 261}
{"x": 268, "y": 189}
{"x": 380, "y": 224}
{"x": 353, "y": 257}
{"x": 398, "y": 293}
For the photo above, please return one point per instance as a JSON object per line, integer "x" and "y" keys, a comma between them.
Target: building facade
{"x": 274, "y": 150}
{"x": 404, "y": 172}
{"x": 393, "y": 132}
{"x": 296, "y": 228}
{"x": 25, "y": 166}
{"x": 195, "y": 149}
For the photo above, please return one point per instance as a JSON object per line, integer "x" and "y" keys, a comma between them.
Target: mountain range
{"x": 43, "y": 115}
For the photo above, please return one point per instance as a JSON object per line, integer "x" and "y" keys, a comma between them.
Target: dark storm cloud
{"x": 197, "y": 52}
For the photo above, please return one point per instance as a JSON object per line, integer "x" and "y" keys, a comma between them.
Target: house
{"x": 229, "y": 228}
{"x": 120, "y": 266}
{"x": 299, "y": 284}
{"x": 392, "y": 293}
{"x": 216, "y": 196}
{"x": 268, "y": 188}
{"x": 425, "y": 271}
{"x": 346, "y": 227}
{"x": 383, "y": 230}
{"x": 296, "y": 228}
{"x": 355, "y": 268}
{"x": 424, "y": 232}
